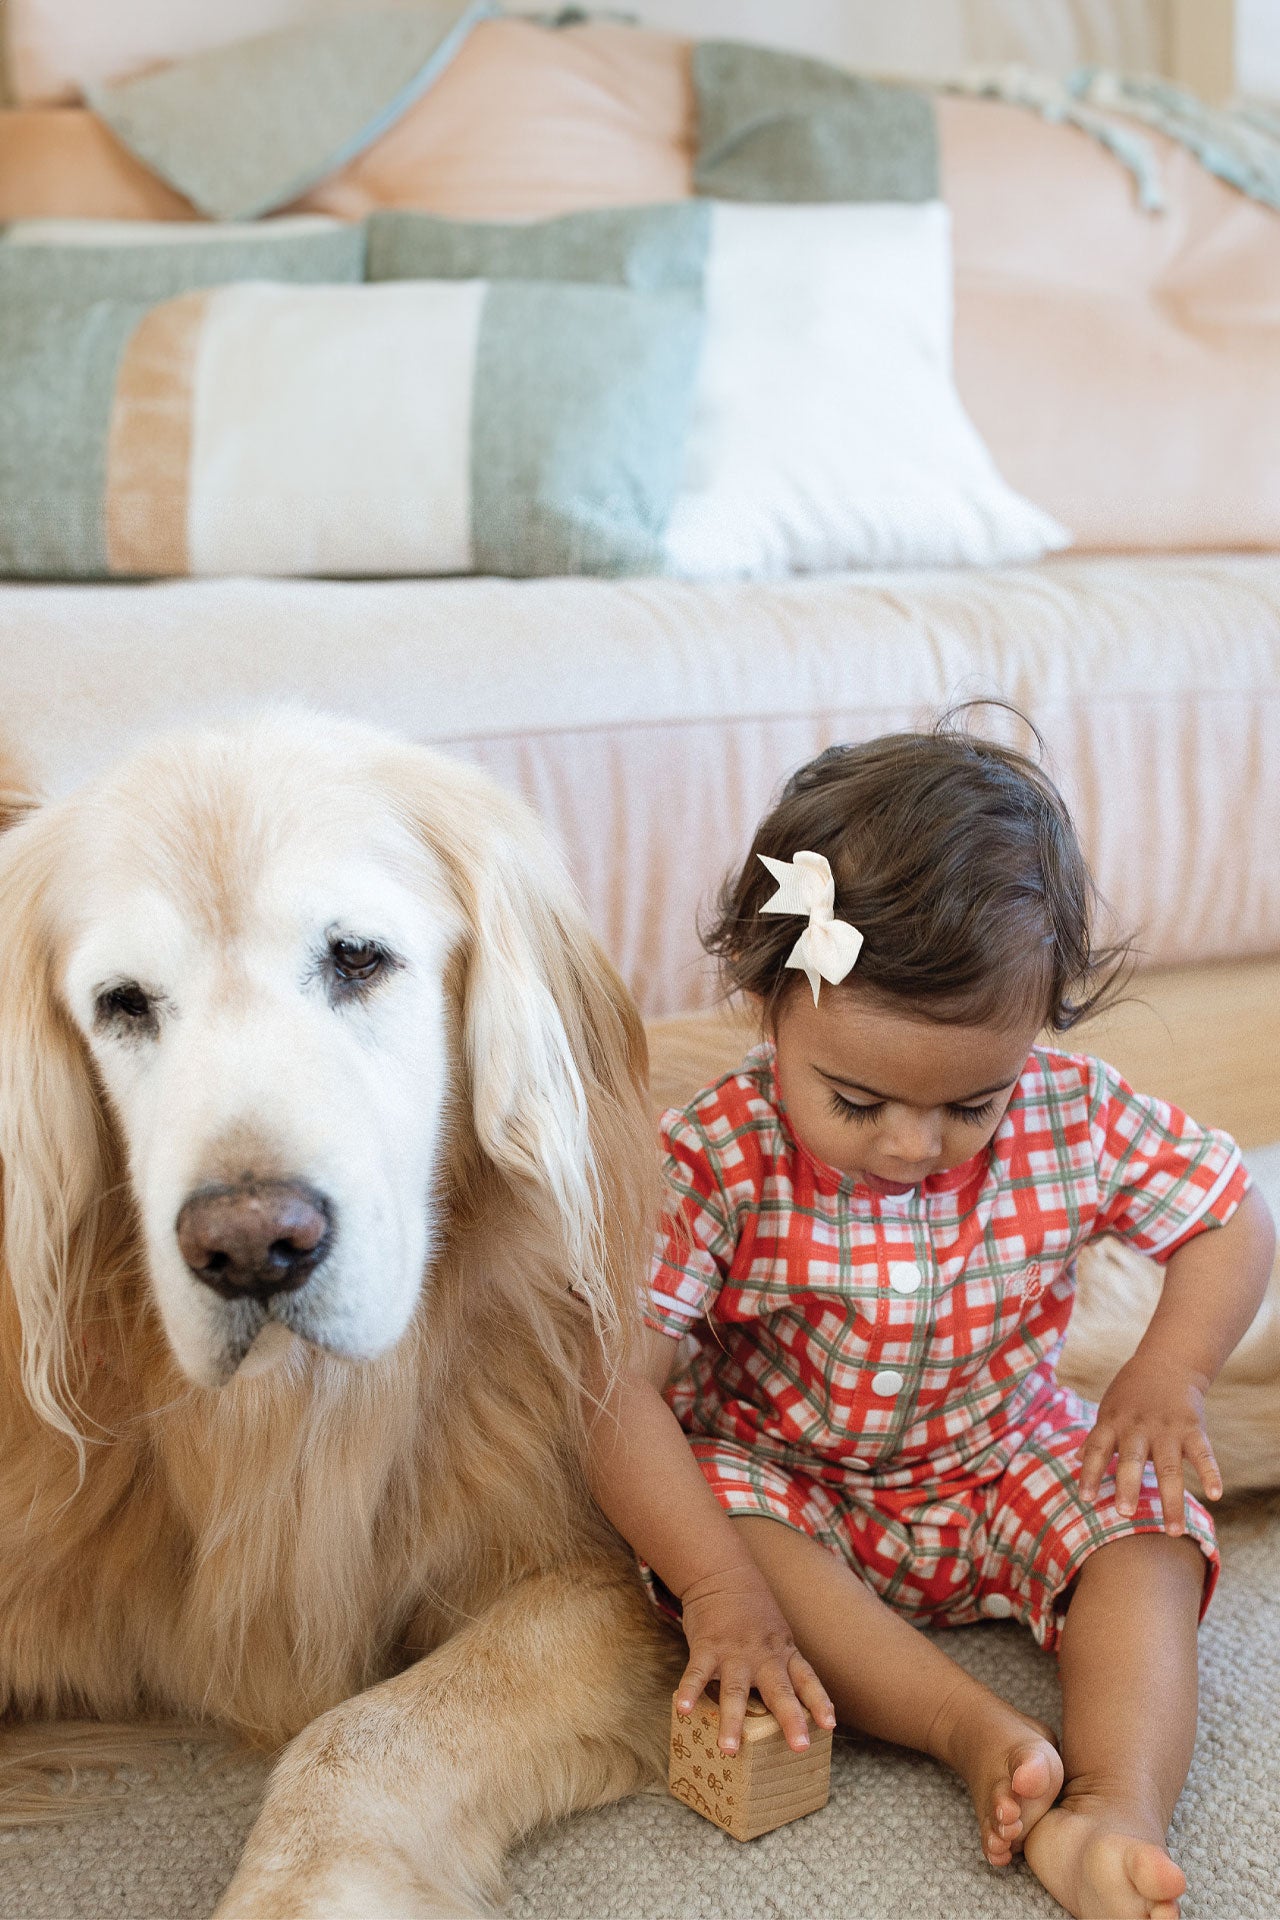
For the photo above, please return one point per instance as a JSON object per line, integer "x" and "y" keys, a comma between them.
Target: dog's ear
{"x": 554, "y": 1050}
{"x": 52, "y": 1133}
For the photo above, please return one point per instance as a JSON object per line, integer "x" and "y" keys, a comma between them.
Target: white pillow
{"x": 827, "y": 431}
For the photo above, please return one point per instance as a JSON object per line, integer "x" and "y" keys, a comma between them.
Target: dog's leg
{"x": 402, "y": 1802}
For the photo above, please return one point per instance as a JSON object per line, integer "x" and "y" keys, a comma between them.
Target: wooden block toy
{"x": 761, "y": 1786}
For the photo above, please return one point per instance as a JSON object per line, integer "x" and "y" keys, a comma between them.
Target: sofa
{"x": 1122, "y": 368}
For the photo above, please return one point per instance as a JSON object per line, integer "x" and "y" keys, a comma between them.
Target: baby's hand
{"x": 736, "y": 1631}
{"x": 1153, "y": 1410}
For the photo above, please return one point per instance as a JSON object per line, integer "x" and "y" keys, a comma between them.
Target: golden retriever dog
{"x": 326, "y": 1150}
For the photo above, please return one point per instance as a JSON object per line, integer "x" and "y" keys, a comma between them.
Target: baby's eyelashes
{"x": 852, "y": 1110}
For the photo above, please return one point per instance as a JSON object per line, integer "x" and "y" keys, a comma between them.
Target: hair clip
{"x": 828, "y": 947}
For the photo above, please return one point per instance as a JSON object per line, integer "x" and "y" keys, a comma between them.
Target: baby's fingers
{"x": 788, "y": 1692}
{"x": 1096, "y": 1458}
{"x": 734, "y": 1688}
{"x": 779, "y": 1696}
{"x": 1168, "y": 1465}
{"x": 1134, "y": 1454}
{"x": 1200, "y": 1454}
{"x": 693, "y": 1682}
{"x": 787, "y": 1686}
{"x": 811, "y": 1691}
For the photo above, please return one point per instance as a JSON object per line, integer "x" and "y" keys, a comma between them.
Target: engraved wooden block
{"x": 760, "y": 1787}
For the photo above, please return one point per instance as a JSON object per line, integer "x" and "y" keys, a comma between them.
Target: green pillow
{"x": 651, "y": 249}
{"x": 778, "y": 126}
{"x": 244, "y": 129}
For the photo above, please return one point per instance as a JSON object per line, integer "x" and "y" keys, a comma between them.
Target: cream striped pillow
{"x": 263, "y": 426}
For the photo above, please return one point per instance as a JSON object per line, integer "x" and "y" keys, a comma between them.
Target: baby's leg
{"x": 1128, "y": 1667}
{"x": 887, "y": 1680}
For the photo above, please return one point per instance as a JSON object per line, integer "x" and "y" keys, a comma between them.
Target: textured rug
{"x": 897, "y": 1840}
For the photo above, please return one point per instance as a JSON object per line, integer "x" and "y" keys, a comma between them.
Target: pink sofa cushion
{"x": 524, "y": 124}
{"x": 61, "y": 163}
{"x": 1123, "y": 367}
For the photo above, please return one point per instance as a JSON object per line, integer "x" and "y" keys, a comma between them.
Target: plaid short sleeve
{"x": 697, "y": 1239}
{"x": 1162, "y": 1178}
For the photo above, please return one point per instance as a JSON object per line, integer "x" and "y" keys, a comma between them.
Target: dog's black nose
{"x": 255, "y": 1239}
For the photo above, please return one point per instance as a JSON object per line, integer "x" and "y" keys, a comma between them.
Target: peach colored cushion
{"x": 62, "y": 163}
{"x": 525, "y": 123}
{"x": 1123, "y": 368}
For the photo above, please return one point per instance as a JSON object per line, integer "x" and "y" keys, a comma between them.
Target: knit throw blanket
{"x": 1240, "y": 143}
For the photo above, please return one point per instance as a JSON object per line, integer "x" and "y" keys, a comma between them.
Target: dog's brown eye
{"x": 356, "y": 959}
{"x": 126, "y": 1006}
{"x": 351, "y": 968}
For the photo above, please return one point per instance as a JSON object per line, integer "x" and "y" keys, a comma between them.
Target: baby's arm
{"x": 649, "y": 1484}
{"x": 1154, "y": 1408}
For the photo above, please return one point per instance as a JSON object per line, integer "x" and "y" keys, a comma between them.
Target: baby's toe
{"x": 998, "y": 1837}
{"x": 1155, "y": 1876}
{"x": 1033, "y": 1776}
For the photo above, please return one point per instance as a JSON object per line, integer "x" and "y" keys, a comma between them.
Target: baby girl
{"x": 872, "y": 1238}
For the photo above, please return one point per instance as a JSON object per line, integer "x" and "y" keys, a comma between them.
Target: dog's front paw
{"x": 347, "y": 1888}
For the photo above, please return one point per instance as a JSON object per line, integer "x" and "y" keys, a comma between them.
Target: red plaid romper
{"x": 879, "y": 1372}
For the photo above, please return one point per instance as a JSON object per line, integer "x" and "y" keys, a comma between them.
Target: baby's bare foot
{"x": 1089, "y": 1857}
{"x": 1011, "y": 1766}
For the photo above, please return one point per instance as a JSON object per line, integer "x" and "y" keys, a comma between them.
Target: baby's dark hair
{"x": 958, "y": 861}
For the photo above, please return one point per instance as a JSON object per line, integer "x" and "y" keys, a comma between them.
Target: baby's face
{"x": 889, "y": 1099}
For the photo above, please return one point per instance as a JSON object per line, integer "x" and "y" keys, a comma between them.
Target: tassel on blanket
{"x": 1239, "y": 143}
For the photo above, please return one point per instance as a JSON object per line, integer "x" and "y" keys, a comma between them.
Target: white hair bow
{"x": 828, "y": 947}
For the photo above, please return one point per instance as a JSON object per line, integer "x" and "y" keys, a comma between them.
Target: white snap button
{"x": 886, "y": 1382}
{"x": 859, "y": 1466}
{"x": 905, "y": 1276}
{"x": 998, "y": 1606}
